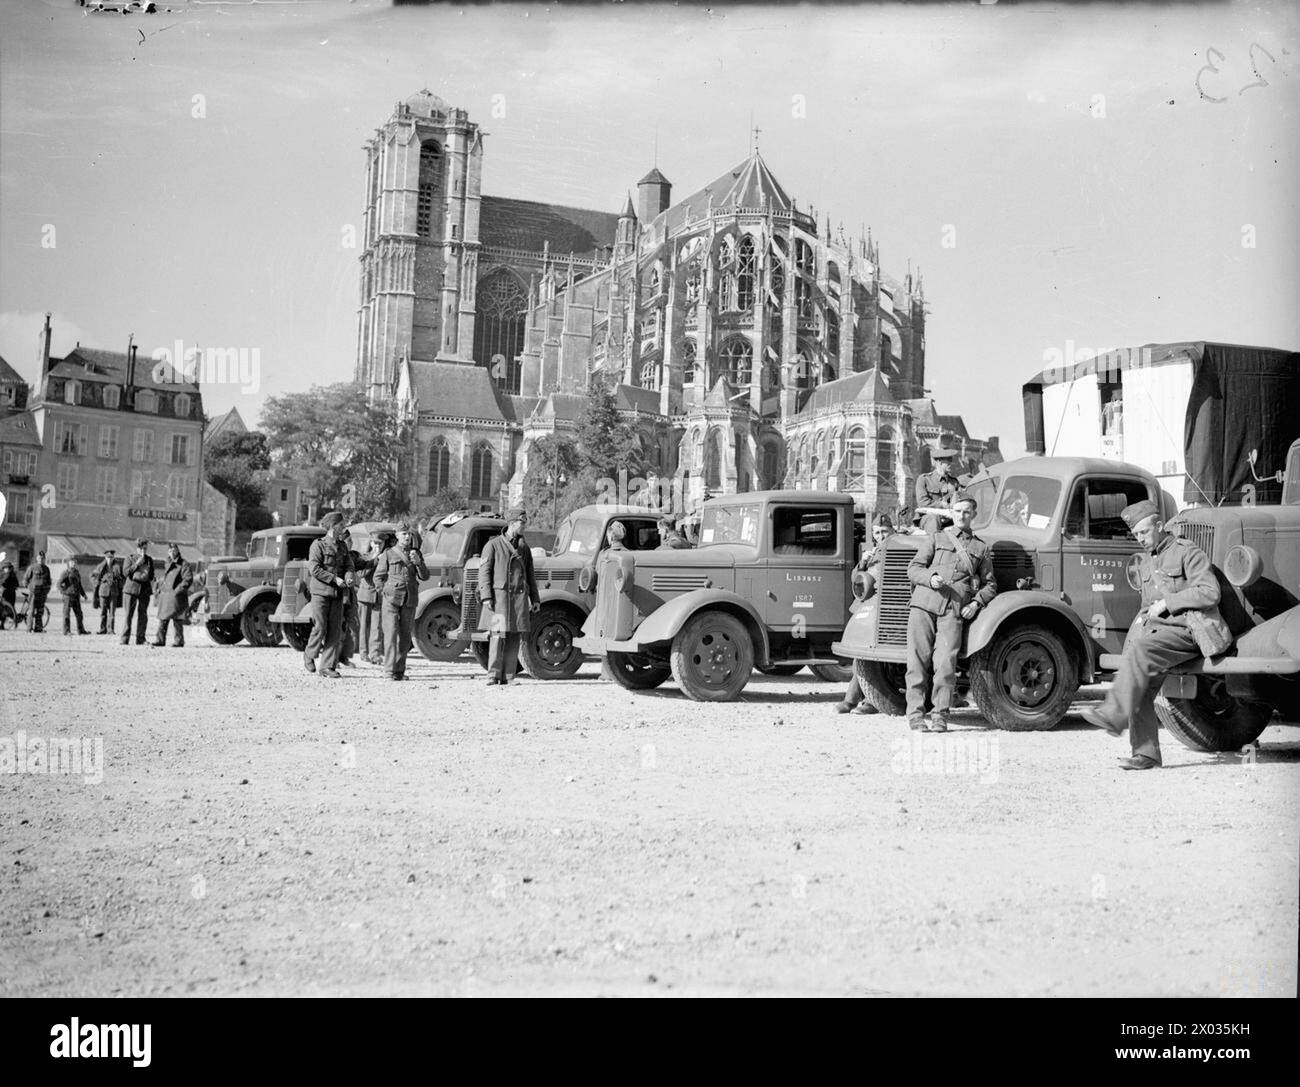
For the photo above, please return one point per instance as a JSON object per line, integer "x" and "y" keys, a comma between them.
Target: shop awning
{"x": 82, "y": 547}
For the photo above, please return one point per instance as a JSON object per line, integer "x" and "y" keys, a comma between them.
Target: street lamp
{"x": 555, "y": 477}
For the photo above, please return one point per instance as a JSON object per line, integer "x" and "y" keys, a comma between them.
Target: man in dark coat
{"x": 108, "y": 580}
{"x": 363, "y": 568}
{"x": 370, "y": 635}
{"x": 173, "y": 597}
{"x": 9, "y": 585}
{"x": 38, "y": 582}
{"x": 1177, "y": 579}
{"x": 329, "y": 573}
{"x": 507, "y": 585}
{"x": 73, "y": 593}
{"x": 139, "y": 585}
{"x": 952, "y": 578}
{"x": 398, "y": 573}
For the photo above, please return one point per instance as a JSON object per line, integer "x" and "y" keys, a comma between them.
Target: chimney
{"x": 45, "y": 349}
{"x": 130, "y": 370}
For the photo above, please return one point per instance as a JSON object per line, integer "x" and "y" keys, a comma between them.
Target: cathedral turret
{"x": 625, "y": 233}
{"x": 654, "y": 192}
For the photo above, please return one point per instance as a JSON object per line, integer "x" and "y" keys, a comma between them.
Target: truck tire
{"x": 635, "y": 671}
{"x": 833, "y": 673}
{"x": 1213, "y": 720}
{"x": 296, "y": 634}
{"x": 431, "y": 629}
{"x": 883, "y": 684}
{"x": 256, "y": 623}
{"x": 780, "y": 669}
{"x": 547, "y": 649}
{"x": 1025, "y": 679}
{"x": 712, "y": 657}
{"x": 224, "y": 631}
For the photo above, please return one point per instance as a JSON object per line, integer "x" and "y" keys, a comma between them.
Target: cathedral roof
{"x": 747, "y": 185}
{"x": 629, "y": 211}
{"x": 720, "y": 395}
{"x": 635, "y": 398}
{"x": 654, "y": 177}
{"x": 954, "y": 423}
{"x": 867, "y": 387}
{"x": 425, "y": 103}
{"x": 561, "y": 407}
{"x": 459, "y": 390}
{"x": 923, "y": 413}
{"x": 217, "y": 425}
{"x": 507, "y": 223}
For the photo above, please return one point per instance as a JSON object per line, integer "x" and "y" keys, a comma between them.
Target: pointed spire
{"x": 629, "y": 210}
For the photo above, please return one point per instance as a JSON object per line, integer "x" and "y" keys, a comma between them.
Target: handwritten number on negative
{"x": 1254, "y": 67}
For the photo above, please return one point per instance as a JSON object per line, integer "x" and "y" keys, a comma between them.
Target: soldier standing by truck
{"x": 73, "y": 593}
{"x": 38, "y": 582}
{"x": 139, "y": 585}
{"x": 173, "y": 598}
{"x": 952, "y": 578}
{"x": 329, "y": 573}
{"x": 507, "y": 585}
{"x": 398, "y": 573}
{"x": 356, "y": 614}
{"x": 107, "y": 580}
{"x": 1179, "y": 621}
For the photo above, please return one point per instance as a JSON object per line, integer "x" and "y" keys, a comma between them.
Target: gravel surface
{"x": 262, "y": 831}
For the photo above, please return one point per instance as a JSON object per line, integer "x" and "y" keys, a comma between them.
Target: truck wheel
{"x": 432, "y": 627}
{"x": 780, "y": 669}
{"x": 480, "y": 651}
{"x": 547, "y": 650}
{"x": 1024, "y": 679}
{"x": 833, "y": 673}
{"x": 635, "y": 671}
{"x": 883, "y": 684}
{"x": 256, "y": 623}
{"x": 224, "y": 631}
{"x": 712, "y": 657}
{"x": 1213, "y": 720}
{"x": 296, "y": 634}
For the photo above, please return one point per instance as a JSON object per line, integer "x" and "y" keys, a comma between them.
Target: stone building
{"x": 752, "y": 346}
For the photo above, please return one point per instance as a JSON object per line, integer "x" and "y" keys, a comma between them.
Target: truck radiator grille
{"x": 1201, "y": 535}
{"x": 895, "y": 595}
{"x": 555, "y": 575}
{"x": 678, "y": 583}
{"x": 1011, "y": 562}
{"x": 469, "y": 605}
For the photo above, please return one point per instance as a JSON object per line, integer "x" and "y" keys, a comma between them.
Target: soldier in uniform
{"x": 8, "y": 588}
{"x": 615, "y": 535}
{"x": 107, "y": 580}
{"x": 329, "y": 574}
{"x": 173, "y": 597}
{"x": 139, "y": 585}
{"x": 507, "y": 585}
{"x": 351, "y": 619}
{"x": 952, "y": 578}
{"x": 1177, "y": 580}
{"x": 398, "y": 573}
{"x": 370, "y": 634}
{"x": 669, "y": 538}
{"x": 938, "y": 488}
{"x": 881, "y": 529}
{"x": 38, "y": 582}
{"x": 73, "y": 593}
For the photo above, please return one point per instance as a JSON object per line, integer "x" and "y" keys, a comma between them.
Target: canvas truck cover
{"x": 1241, "y": 398}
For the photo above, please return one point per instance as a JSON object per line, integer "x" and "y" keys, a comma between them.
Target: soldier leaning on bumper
{"x": 398, "y": 573}
{"x": 329, "y": 571}
{"x": 173, "y": 597}
{"x": 507, "y": 585}
{"x": 108, "y": 580}
{"x": 136, "y": 591}
{"x": 869, "y": 565}
{"x": 1177, "y": 581}
{"x": 38, "y": 582}
{"x": 73, "y": 593}
{"x": 952, "y": 578}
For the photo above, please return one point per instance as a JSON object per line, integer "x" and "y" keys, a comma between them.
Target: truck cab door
{"x": 806, "y": 591}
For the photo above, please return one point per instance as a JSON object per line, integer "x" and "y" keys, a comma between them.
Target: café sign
{"x": 158, "y": 515}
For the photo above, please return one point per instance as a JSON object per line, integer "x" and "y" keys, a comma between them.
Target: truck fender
{"x": 1019, "y": 604}
{"x": 858, "y": 640}
{"x": 579, "y": 608}
{"x": 239, "y": 604}
{"x": 428, "y": 596}
{"x": 666, "y": 622}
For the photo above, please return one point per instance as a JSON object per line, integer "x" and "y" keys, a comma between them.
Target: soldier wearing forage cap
{"x": 507, "y": 584}
{"x": 38, "y": 582}
{"x": 1177, "y": 581}
{"x": 397, "y": 577}
{"x": 139, "y": 587}
{"x": 108, "y": 581}
{"x": 936, "y": 489}
{"x": 329, "y": 575}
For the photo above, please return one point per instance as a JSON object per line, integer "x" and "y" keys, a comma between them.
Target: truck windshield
{"x": 1026, "y": 501}
{"x": 730, "y": 524}
{"x": 449, "y": 540}
{"x": 579, "y": 537}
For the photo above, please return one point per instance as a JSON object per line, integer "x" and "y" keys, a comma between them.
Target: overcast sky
{"x": 1101, "y": 221}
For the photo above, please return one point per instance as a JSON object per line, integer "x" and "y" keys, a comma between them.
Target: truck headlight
{"x": 1242, "y": 565}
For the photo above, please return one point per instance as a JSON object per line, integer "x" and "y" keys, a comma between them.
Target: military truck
{"x": 1061, "y": 555}
{"x": 1224, "y": 703}
{"x": 769, "y": 586}
{"x": 243, "y": 596}
{"x": 566, "y": 584}
{"x": 454, "y": 541}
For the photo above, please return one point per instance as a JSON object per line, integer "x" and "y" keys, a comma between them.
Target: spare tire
{"x": 883, "y": 684}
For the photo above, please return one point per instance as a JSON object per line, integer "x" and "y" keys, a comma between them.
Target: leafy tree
{"x": 547, "y": 501}
{"x": 608, "y": 444}
{"x": 444, "y": 502}
{"x": 230, "y": 463}
{"x": 253, "y": 519}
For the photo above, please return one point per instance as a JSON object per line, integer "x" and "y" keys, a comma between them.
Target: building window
{"x": 771, "y": 466}
{"x": 856, "y": 459}
{"x": 108, "y": 441}
{"x": 105, "y": 485}
{"x": 439, "y": 466}
{"x": 66, "y": 482}
{"x": 430, "y": 175}
{"x": 112, "y": 396}
{"x": 20, "y": 510}
{"x": 776, "y": 293}
{"x": 178, "y": 488}
{"x": 650, "y": 376}
{"x": 803, "y": 300}
{"x": 745, "y": 272}
{"x": 146, "y": 401}
{"x": 181, "y": 406}
{"x": 141, "y": 487}
{"x": 284, "y": 494}
{"x": 688, "y": 362}
{"x": 142, "y": 447}
{"x": 72, "y": 392}
{"x": 886, "y": 454}
{"x": 735, "y": 361}
{"x": 772, "y": 371}
{"x": 832, "y": 334}
{"x": 499, "y": 327}
{"x": 180, "y": 451}
{"x": 804, "y": 260}
{"x": 713, "y": 460}
{"x": 481, "y": 473}
{"x": 886, "y": 349}
{"x": 69, "y": 438}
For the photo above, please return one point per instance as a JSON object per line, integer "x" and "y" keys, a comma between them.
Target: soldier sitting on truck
{"x": 869, "y": 566}
{"x": 1177, "y": 582}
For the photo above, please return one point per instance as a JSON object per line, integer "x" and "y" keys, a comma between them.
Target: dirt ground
{"x": 261, "y": 831}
